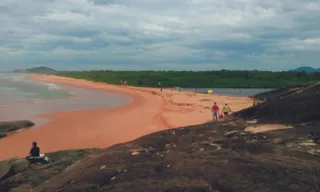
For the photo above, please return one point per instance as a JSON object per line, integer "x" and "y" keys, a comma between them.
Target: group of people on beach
{"x": 123, "y": 82}
{"x": 226, "y": 110}
{"x": 257, "y": 102}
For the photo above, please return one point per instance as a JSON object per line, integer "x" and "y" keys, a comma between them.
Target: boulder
{"x": 2, "y": 134}
{"x": 14, "y": 125}
{"x": 5, "y": 168}
{"x": 18, "y": 165}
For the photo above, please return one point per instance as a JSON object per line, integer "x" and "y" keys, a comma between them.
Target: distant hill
{"x": 307, "y": 69}
{"x": 36, "y": 70}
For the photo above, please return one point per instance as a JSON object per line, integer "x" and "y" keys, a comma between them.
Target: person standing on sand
{"x": 226, "y": 111}
{"x": 215, "y": 111}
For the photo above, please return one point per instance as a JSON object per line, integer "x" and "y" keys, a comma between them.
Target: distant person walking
{"x": 160, "y": 86}
{"x": 215, "y": 111}
{"x": 226, "y": 110}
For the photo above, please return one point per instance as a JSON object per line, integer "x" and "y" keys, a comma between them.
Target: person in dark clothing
{"x": 35, "y": 150}
{"x": 34, "y": 153}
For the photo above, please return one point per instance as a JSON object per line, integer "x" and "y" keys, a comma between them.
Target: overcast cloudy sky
{"x": 159, "y": 34}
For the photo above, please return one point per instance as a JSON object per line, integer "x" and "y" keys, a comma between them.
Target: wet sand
{"x": 150, "y": 111}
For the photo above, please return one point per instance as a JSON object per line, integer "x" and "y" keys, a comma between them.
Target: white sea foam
{"x": 52, "y": 86}
{"x": 18, "y": 78}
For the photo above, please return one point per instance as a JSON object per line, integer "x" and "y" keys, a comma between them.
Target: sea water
{"x": 24, "y": 99}
{"x": 15, "y": 88}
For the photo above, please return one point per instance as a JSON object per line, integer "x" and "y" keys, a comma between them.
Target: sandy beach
{"x": 150, "y": 111}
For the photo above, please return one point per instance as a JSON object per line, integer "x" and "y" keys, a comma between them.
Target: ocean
{"x": 23, "y": 99}
{"x": 15, "y": 88}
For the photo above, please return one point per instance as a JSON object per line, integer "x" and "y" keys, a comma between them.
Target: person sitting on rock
{"x": 34, "y": 152}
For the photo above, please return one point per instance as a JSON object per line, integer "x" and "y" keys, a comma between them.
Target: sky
{"x": 160, "y": 34}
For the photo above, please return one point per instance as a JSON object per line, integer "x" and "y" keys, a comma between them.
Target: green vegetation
{"x": 203, "y": 79}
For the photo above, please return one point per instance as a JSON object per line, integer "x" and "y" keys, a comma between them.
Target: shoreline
{"x": 59, "y": 98}
{"x": 150, "y": 111}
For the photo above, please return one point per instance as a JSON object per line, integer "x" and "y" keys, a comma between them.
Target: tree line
{"x": 199, "y": 79}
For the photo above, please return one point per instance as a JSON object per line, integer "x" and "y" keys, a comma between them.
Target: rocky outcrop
{"x": 5, "y": 168}
{"x": 290, "y": 105}
{"x": 217, "y": 156}
{"x": 13, "y": 125}
{"x": 16, "y": 176}
{"x": 12, "y": 166}
{"x": 2, "y": 134}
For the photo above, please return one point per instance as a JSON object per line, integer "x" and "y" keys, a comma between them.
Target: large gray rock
{"x": 2, "y": 134}
{"x": 5, "y": 168}
{"x": 18, "y": 165}
{"x": 14, "y": 125}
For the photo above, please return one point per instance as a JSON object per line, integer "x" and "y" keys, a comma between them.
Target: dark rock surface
{"x": 13, "y": 125}
{"x": 19, "y": 176}
{"x": 290, "y": 105}
{"x": 3, "y": 134}
{"x": 5, "y": 168}
{"x": 209, "y": 157}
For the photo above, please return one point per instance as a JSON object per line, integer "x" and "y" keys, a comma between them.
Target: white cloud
{"x": 160, "y": 33}
{"x": 67, "y": 16}
{"x": 10, "y": 51}
{"x": 308, "y": 44}
{"x": 43, "y": 38}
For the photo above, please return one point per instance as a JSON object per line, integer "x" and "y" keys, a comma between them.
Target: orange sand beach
{"x": 150, "y": 111}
